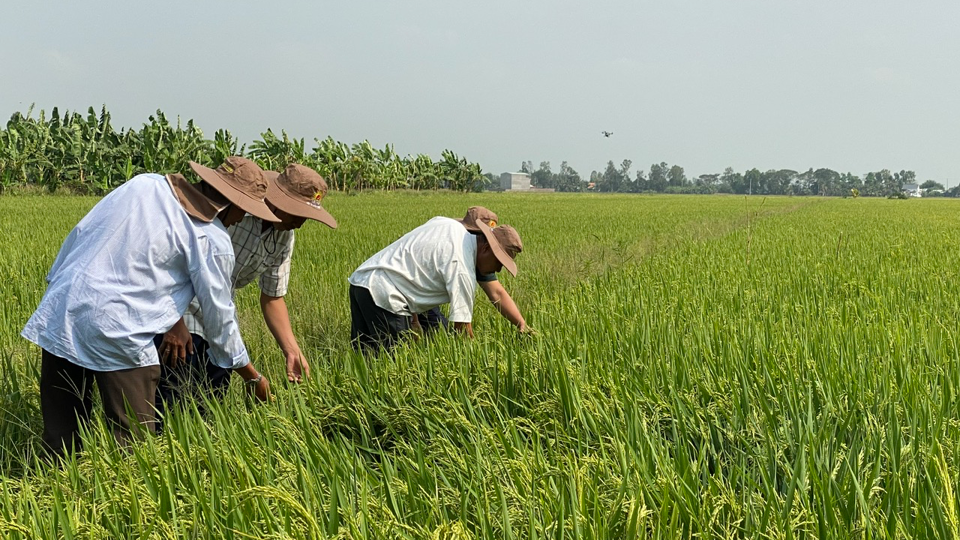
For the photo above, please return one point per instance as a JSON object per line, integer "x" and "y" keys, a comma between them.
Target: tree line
{"x": 666, "y": 178}
{"x": 87, "y": 155}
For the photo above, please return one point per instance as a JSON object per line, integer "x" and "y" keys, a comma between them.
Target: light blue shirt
{"x": 127, "y": 272}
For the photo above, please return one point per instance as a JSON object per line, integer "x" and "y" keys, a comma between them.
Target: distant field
{"x": 706, "y": 366}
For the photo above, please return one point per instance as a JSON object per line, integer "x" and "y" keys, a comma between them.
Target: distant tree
{"x": 542, "y": 177}
{"x": 849, "y": 183}
{"x": 777, "y": 182}
{"x": 527, "y": 167}
{"x": 905, "y": 177}
{"x": 892, "y": 184}
{"x": 825, "y": 182}
{"x": 872, "y": 185}
{"x": 733, "y": 181}
{"x": 707, "y": 180}
{"x": 569, "y": 179}
{"x": 613, "y": 178}
{"x": 658, "y": 180}
{"x": 932, "y": 188}
{"x": 753, "y": 180}
{"x": 640, "y": 183}
{"x": 952, "y": 192}
{"x": 805, "y": 183}
{"x": 676, "y": 177}
{"x": 491, "y": 182}
{"x": 624, "y": 177}
{"x": 595, "y": 180}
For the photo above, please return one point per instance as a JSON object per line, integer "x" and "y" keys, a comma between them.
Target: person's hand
{"x": 259, "y": 389}
{"x": 297, "y": 367}
{"x": 415, "y": 324}
{"x": 528, "y": 331}
{"x": 176, "y": 345}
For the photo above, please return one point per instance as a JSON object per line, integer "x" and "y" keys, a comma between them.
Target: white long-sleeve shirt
{"x": 434, "y": 264}
{"x": 258, "y": 255}
{"x": 127, "y": 272}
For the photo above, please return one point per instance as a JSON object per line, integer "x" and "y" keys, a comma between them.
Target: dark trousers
{"x": 371, "y": 326}
{"x": 66, "y": 395}
{"x": 196, "y": 376}
{"x": 432, "y": 320}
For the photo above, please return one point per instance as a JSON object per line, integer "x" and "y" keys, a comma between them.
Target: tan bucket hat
{"x": 505, "y": 243}
{"x": 478, "y": 212}
{"x": 242, "y": 182}
{"x": 298, "y": 191}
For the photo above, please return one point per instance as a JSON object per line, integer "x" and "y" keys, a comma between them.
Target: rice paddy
{"x": 711, "y": 367}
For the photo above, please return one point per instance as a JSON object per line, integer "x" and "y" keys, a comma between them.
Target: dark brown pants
{"x": 66, "y": 393}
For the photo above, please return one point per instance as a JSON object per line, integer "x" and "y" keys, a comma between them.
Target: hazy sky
{"x": 854, "y": 85}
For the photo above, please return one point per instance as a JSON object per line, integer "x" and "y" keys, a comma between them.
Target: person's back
{"x": 431, "y": 265}
{"x": 89, "y": 283}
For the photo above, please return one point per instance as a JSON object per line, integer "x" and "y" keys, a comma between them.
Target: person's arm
{"x": 277, "y": 317}
{"x": 501, "y": 300}
{"x": 254, "y": 382}
{"x": 274, "y": 281}
{"x": 214, "y": 291}
{"x": 461, "y": 287}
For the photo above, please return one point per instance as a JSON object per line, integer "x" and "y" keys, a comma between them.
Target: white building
{"x": 515, "y": 181}
{"x": 912, "y": 190}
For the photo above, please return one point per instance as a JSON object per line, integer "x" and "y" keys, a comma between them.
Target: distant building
{"x": 515, "y": 181}
{"x": 912, "y": 190}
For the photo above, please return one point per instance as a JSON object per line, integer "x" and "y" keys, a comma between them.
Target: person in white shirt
{"x": 436, "y": 263}
{"x": 434, "y": 319}
{"x": 263, "y": 254}
{"x": 127, "y": 272}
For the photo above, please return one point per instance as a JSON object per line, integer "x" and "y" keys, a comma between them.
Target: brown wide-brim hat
{"x": 478, "y": 212}
{"x": 298, "y": 191}
{"x": 242, "y": 182}
{"x": 505, "y": 243}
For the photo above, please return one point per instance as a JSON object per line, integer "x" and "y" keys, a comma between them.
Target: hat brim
{"x": 246, "y": 203}
{"x": 501, "y": 254}
{"x": 283, "y": 201}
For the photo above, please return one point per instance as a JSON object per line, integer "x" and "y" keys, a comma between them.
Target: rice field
{"x": 710, "y": 367}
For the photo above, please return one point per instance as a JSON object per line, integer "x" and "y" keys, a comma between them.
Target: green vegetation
{"x": 664, "y": 178}
{"x": 86, "y": 155}
{"x": 706, "y": 367}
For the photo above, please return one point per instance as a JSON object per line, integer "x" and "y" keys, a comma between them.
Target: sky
{"x": 855, "y": 86}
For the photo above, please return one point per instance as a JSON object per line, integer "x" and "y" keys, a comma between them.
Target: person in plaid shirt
{"x": 263, "y": 251}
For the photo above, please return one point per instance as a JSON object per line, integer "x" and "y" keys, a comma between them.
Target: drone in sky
{"x": 607, "y": 133}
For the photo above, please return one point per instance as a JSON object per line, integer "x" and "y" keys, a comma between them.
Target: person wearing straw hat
{"x": 127, "y": 272}
{"x": 434, "y": 319}
{"x": 263, "y": 253}
{"x": 436, "y": 263}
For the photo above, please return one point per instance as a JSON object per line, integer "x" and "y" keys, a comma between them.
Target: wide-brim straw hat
{"x": 242, "y": 182}
{"x": 505, "y": 243}
{"x": 298, "y": 191}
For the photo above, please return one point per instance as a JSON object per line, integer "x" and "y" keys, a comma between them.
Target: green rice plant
{"x": 706, "y": 367}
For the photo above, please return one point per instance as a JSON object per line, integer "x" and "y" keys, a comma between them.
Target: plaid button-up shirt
{"x": 259, "y": 253}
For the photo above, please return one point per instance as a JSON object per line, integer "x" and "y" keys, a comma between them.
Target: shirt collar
{"x": 193, "y": 201}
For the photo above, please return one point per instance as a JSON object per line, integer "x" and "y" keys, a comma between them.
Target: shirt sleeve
{"x": 461, "y": 286}
{"x": 214, "y": 290}
{"x": 275, "y": 278}
{"x": 486, "y": 278}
